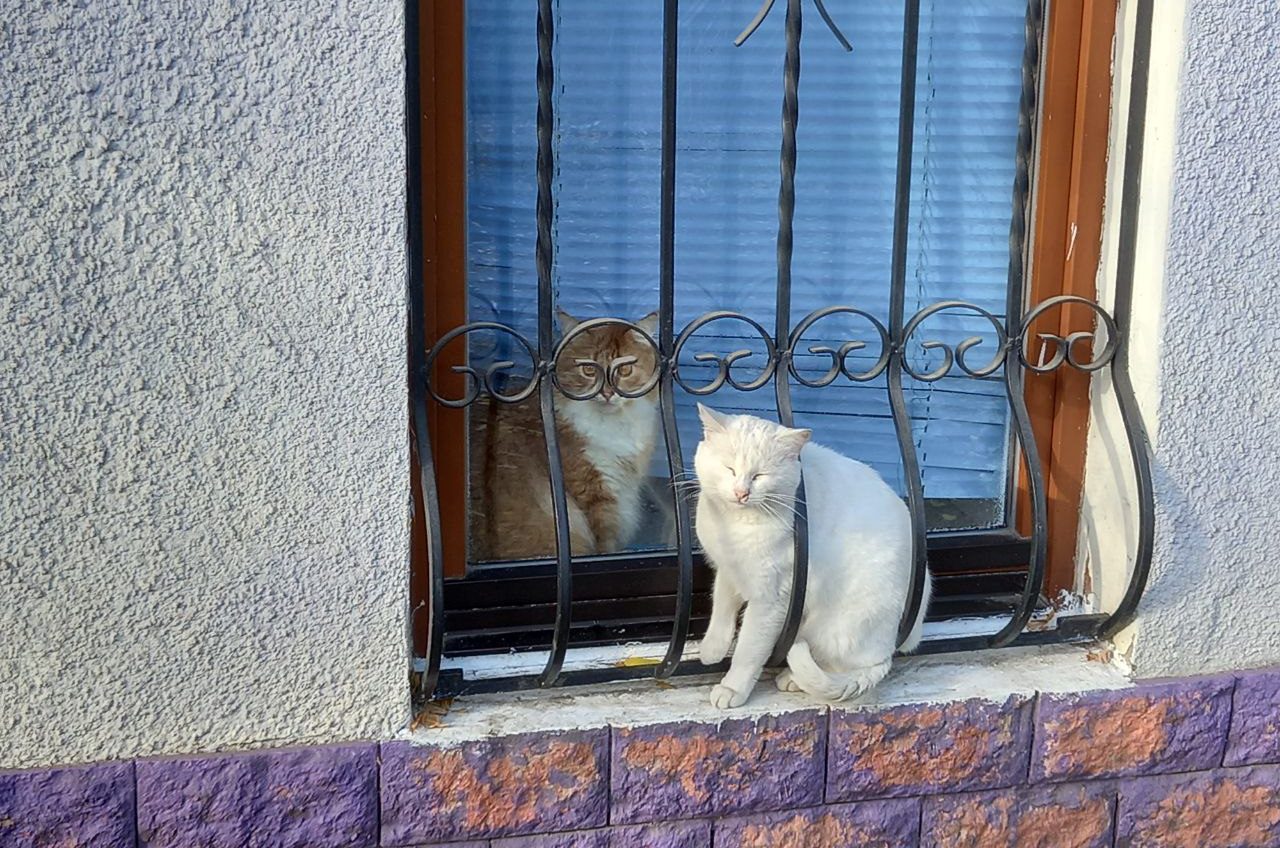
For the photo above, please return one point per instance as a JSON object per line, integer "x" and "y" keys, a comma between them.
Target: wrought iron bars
{"x": 666, "y": 340}
{"x": 1139, "y": 448}
{"x": 897, "y": 307}
{"x": 1013, "y": 339}
{"x": 544, "y": 259}
{"x": 782, "y": 385}
{"x": 1016, "y": 294}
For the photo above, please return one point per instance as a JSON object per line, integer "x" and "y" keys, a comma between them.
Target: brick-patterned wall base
{"x": 1175, "y": 763}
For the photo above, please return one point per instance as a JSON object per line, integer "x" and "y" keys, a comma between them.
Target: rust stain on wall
{"x": 729, "y": 762}
{"x": 800, "y": 831}
{"x": 891, "y": 748}
{"x": 511, "y": 789}
{"x": 1121, "y": 735}
{"x": 1222, "y": 814}
{"x": 992, "y": 822}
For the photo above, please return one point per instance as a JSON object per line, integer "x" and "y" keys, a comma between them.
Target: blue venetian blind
{"x": 608, "y": 65}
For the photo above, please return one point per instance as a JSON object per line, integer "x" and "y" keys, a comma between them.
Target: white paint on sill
{"x": 577, "y": 659}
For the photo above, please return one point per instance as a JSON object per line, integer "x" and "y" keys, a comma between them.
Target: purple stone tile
{"x": 323, "y": 797}
{"x": 75, "y": 805}
{"x": 870, "y": 824}
{"x": 573, "y": 839}
{"x": 1255, "y": 719}
{"x": 495, "y": 787}
{"x": 1053, "y": 814}
{"x": 924, "y": 748}
{"x": 686, "y": 770}
{"x": 1228, "y": 807}
{"x": 676, "y": 835}
{"x": 1152, "y": 728}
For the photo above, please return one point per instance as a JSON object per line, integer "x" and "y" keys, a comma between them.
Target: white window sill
{"x": 989, "y": 675}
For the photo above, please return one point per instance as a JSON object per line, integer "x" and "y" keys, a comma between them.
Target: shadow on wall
{"x": 1112, "y": 529}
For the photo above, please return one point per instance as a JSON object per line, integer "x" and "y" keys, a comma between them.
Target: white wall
{"x": 1205, "y": 345}
{"x": 202, "y": 413}
{"x": 202, "y": 403}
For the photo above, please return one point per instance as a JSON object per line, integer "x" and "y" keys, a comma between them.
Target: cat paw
{"x": 714, "y": 648}
{"x": 724, "y": 698}
{"x": 785, "y": 682}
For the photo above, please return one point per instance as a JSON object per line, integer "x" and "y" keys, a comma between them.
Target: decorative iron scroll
{"x": 891, "y": 349}
{"x": 748, "y": 370}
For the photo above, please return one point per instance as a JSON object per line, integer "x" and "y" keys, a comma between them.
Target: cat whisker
{"x": 774, "y": 508}
{"x": 765, "y": 507}
{"x": 792, "y": 506}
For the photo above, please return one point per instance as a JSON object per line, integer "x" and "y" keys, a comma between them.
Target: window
{"x": 985, "y": 72}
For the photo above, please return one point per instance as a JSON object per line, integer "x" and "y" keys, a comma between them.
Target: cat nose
{"x": 606, "y": 392}
{"x": 741, "y": 493}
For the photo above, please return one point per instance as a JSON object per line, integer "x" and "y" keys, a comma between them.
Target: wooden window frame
{"x": 1066, "y": 248}
{"x": 1064, "y": 252}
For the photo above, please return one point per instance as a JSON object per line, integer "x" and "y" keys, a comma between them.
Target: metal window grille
{"x": 1085, "y": 351}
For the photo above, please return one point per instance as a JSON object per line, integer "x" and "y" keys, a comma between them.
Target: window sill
{"x": 992, "y": 675}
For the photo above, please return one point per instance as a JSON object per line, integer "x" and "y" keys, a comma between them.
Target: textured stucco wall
{"x": 202, "y": 406}
{"x": 1215, "y": 589}
{"x": 1212, "y": 600}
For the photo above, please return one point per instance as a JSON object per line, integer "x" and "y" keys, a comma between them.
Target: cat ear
{"x": 649, "y": 323}
{"x": 712, "y": 421}
{"x": 567, "y": 321}
{"x": 794, "y": 440}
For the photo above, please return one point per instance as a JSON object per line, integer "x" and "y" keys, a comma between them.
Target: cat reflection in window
{"x": 606, "y": 447}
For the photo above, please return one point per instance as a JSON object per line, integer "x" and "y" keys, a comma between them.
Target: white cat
{"x": 859, "y": 559}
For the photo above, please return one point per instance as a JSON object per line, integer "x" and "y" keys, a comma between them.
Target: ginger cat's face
{"x": 604, "y": 346}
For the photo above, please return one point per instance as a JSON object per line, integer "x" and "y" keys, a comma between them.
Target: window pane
{"x": 608, "y": 66}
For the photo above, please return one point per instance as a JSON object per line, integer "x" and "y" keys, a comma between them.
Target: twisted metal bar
{"x": 1023, "y": 431}
{"x": 782, "y": 323}
{"x": 767, "y": 7}
{"x": 666, "y": 342}
{"x": 544, "y": 259}
{"x": 897, "y": 306}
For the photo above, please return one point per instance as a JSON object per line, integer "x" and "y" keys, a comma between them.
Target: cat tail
{"x": 917, "y": 632}
{"x": 838, "y": 686}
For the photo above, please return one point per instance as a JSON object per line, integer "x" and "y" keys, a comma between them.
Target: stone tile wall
{"x": 1190, "y": 762}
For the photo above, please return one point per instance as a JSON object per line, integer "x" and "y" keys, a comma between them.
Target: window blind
{"x": 608, "y": 111}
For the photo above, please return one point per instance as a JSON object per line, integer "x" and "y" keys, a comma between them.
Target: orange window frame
{"x": 1066, "y": 239}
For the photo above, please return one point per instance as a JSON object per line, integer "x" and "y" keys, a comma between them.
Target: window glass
{"x": 608, "y": 148}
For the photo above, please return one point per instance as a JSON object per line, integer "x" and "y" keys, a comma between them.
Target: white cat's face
{"x": 748, "y": 463}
